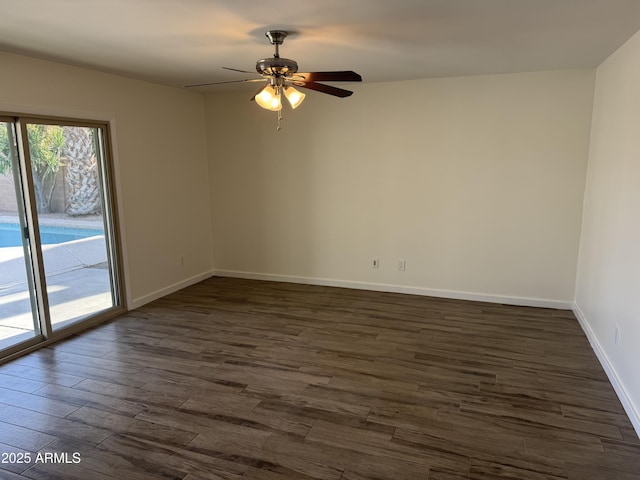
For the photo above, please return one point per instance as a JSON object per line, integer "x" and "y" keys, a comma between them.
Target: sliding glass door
{"x": 19, "y": 320}
{"x": 60, "y": 268}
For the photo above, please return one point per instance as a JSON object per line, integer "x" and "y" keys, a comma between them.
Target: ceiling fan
{"x": 281, "y": 74}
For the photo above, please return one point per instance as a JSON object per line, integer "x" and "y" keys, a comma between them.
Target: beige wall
{"x": 476, "y": 182}
{"x": 608, "y": 283}
{"x": 160, "y": 157}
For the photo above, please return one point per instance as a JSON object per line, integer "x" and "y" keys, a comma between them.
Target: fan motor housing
{"x": 276, "y": 66}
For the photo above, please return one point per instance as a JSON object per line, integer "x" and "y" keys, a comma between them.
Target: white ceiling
{"x": 178, "y": 42}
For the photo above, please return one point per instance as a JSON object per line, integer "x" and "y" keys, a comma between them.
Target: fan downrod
{"x": 276, "y": 66}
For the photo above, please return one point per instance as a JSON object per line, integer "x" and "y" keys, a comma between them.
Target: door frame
{"x": 113, "y": 238}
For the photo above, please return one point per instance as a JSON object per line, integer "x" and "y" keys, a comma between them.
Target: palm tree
{"x": 81, "y": 174}
{"x": 45, "y": 149}
{"x": 50, "y": 148}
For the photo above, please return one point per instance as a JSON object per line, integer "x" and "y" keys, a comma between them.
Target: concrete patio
{"x": 78, "y": 284}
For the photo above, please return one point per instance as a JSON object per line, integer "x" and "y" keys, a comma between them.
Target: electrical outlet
{"x": 616, "y": 336}
{"x": 375, "y": 263}
{"x": 402, "y": 265}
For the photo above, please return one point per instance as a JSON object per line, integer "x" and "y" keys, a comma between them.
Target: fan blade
{"x": 241, "y": 71}
{"x": 319, "y": 87}
{"x": 246, "y": 80}
{"x": 339, "y": 76}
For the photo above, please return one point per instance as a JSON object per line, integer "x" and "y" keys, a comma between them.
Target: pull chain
{"x": 279, "y": 127}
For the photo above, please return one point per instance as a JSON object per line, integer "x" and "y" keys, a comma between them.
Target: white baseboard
{"x": 140, "y": 301}
{"x": 626, "y": 400}
{"x": 382, "y": 287}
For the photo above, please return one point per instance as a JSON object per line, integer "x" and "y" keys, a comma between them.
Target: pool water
{"x": 10, "y": 235}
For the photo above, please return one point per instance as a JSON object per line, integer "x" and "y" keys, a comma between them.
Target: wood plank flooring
{"x": 239, "y": 379}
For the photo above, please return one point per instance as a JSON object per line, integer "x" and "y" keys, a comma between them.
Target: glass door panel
{"x": 19, "y": 321}
{"x": 67, "y": 166}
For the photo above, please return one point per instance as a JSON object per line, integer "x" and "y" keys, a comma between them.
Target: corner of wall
{"x": 140, "y": 301}
{"x": 627, "y": 402}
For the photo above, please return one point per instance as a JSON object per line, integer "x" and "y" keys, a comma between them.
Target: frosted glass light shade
{"x": 269, "y": 99}
{"x": 294, "y": 96}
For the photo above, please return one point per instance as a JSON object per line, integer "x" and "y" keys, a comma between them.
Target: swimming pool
{"x": 10, "y": 235}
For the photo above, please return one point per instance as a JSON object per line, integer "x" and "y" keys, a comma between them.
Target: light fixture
{"x": 294, "y": 96}
{"x": 269, "y": 98}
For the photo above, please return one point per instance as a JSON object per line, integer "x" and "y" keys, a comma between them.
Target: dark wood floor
{"x": 244, "y": 379}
